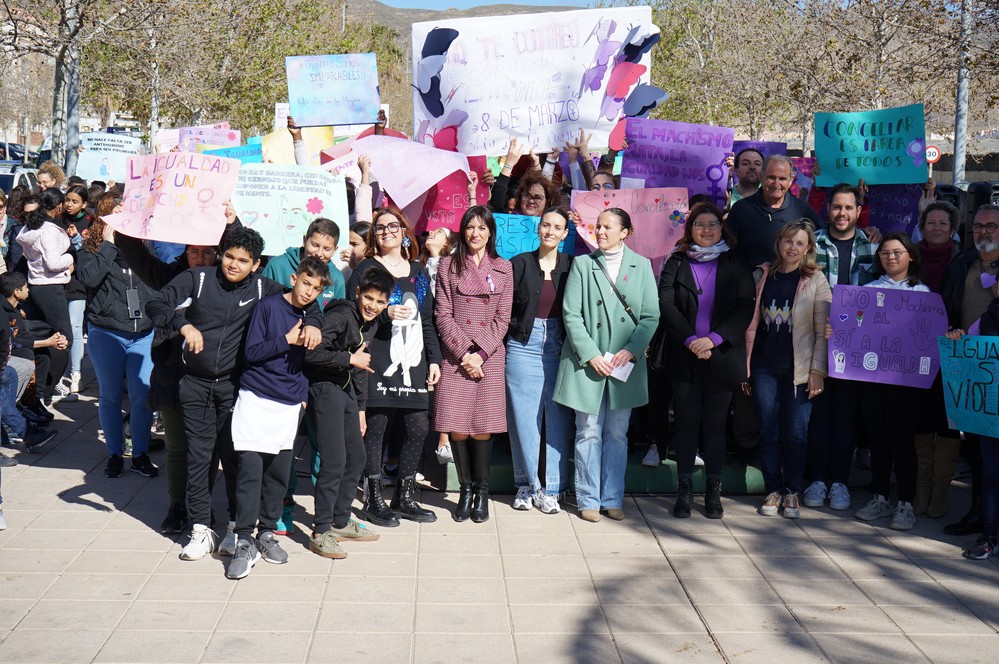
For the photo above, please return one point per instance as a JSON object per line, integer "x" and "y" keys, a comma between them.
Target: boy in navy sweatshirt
{"x": 272, "y": 392}
{"x": 219, "y": 302}
{"x": 337, "y": 370}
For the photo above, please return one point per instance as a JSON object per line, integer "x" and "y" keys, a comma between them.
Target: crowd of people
{"x": 383, "y": 343}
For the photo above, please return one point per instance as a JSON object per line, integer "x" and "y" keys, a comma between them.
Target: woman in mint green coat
{"x": 606, "y": 336}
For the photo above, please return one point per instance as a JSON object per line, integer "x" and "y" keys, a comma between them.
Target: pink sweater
{"x": 45, "y": 250}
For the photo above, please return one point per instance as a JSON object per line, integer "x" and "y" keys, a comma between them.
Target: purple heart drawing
{"x": 843, "y": 317}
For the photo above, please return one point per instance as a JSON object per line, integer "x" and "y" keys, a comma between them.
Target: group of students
{"x": 441, "y": 334}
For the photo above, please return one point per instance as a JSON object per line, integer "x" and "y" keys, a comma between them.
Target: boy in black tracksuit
{"x": 338, "y": 370}
{"x": 213, "y": 325}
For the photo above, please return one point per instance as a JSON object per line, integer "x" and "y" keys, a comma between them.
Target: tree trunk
{"x": 59, "y": 108}
{"x": 73, "y": 108}
{"x": 154, "y": 101}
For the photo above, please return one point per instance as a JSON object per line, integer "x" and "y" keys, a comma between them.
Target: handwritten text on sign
{"x": 104, "y": 155}
{"x": 176, "y": 197}
{"x": 333, "y": 89}
{"x": 662, "y": 153}
{"x": 885, "y": 336}
{"x": 657, "y": 218}
{"x": 517, "y": 233}
{"x": 882, "y": 147}
{"x": 280, "y": 202}
{"x": 538, "y": 77}
{"x": 970, "y": 371}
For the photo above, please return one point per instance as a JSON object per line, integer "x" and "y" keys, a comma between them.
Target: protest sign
{"x": 281, "y": 112}
{"x": 448, "y": 201}
{"x": 424, "y": 166}
{"x": 278, "y": 148}
{"x": 219, "y": 135}
{"x": 247, "y": 154}
{"x": 657, "y": 217}
{"x": 341, "y": 160}
{"x": 517, "y": 233}
{"x": 280, "y": 202}
{"x": 487, "y": 79}
{"x": 803, "y": 167}
{"x": 662, "y": 153}
{"x": 104, "y": 156}
{"x": 176, "y": 197}
{"x": 167, "y": 139}
{"x": 882, "y": 147}
{"x": 969, "y": 368}
{"x": 255, "y": 140}
{"x": 346, "y": 131}
{"x": 894, "y": 207}
{"x": 333, "y": 89}
{"x": 885, "y": 336}
{"x": 766, "y": 148}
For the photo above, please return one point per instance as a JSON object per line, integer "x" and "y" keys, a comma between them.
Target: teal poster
{"x": 970, "y": 371}
{"x": 882, "y": 147}
{"x": 251, "y": 153}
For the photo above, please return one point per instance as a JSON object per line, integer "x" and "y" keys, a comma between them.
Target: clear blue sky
{"x": 468, "y": 4}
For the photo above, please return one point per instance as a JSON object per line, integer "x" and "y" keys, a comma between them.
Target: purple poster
{"x": 662, "y": 153}
{"x": 885, "y": 336}
{"x": 894, "y": 207}
{"x": 766, "y": 148}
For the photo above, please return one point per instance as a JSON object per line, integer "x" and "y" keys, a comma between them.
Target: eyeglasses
{"x": 598, "y": 187}
{"x": 710, "y": 226}
{"x": 392, "y": 227}
{"x": 989, "y": 228}
{"x": 207, "y": 253}
{"x": 537, "y": 199}
{"x": 897, "y": 254}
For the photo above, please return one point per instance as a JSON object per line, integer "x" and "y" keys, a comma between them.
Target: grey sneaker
{"x": 770, "y": 504}
{"x": 791, "y": 510}
{"x": 325, "y": 545}
{"x": 228, "y": 545}
{"x": 243, "y": 560}
{"x": 548, "y": 504}
{"x": 522, "y": 501}
{"x": 877, "y": 508}
{"x": 271, "y": 549}
{"x": 815, "y": 494}
{"x": 903, "y": 518}
{"x": 354, "y": 531}
{"x": 839, "y": 497}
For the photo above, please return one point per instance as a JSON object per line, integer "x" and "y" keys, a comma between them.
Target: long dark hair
{"x": 915, "y": 276}
{"x": 461, "y": 250}
{"x": 48, "y": 201}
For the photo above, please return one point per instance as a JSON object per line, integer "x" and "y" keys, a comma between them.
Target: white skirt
{"x": 262, "y": 425}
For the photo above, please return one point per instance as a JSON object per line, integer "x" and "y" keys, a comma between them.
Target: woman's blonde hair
{"x": 808, "y": 264}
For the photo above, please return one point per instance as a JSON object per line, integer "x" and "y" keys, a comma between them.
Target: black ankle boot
{"x": 712, "y": 499}
{"x": 482, "y": 452}
{"x": 684, "y": 497}
{"x": 462, "y": 466}
{"x": 970, "y": 524}
{"x": 405, "y": 506}
{"x": 375, "y": 510}
{"x": 480, "y": 505}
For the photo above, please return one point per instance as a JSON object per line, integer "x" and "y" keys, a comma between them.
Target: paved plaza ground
{"x": 85, "y": 576}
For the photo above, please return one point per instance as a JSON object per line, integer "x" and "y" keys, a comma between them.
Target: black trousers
{"x": 891, "y": 419}
{"x": 50, "y": 304}
{"x": 262, "y": 481}
{"x": 207, "y": 405}
{"x": 335, "y": 416}
{"x": 700, "y": 408}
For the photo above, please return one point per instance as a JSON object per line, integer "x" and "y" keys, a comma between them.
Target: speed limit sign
{"x": 932, "y": 154}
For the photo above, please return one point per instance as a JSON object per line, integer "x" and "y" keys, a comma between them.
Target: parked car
{"x": 13, "y": 173}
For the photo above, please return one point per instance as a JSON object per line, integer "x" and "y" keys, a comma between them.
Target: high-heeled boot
{"x": 482, "y": 452}
{"x": 462, "y": 466}
{"x": 374, "y": 509}
{"x": 405, "y": 506}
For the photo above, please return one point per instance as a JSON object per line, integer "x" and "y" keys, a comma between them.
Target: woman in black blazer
{"x": 706, "y": 301}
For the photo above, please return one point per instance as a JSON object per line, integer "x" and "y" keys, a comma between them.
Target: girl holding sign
{"x": 786, "y": 348}
{"x": 893, "y": 441}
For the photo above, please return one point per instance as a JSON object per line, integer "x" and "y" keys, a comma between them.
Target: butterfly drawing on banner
{"x": 428, "y": 69}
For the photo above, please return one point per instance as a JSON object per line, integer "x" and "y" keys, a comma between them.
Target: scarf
{"x": 935, "y": 260}
{"x": 705, "y": 254}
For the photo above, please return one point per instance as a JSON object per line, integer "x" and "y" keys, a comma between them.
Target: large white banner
{"x": 539, "y": 77}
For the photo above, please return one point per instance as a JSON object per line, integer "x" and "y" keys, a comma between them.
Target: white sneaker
{"x": 652, "y": 458}
{"x": 698, "y": 461}
{"x": 522, "y": 501}
{"x": 3, "y": 520}
{"x": 904, "y": 518}
{"x": 203, "y": 541}
{"x": 877, "y": 508}
{"x": 839, "y": 497}
{"x": 444, "y": 455}
{"x": 74, "y": 381}
{"x": 770, "y": 504}
{"x": 815, "y": 494}
{"x": 546, "y": 503}
{"x": 62, "y": 393}
{"x": 228, "y": 545}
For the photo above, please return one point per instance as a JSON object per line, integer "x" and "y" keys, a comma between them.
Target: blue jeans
{"x": 783, "y": 410}
{"x": 601, "y": 457}
{"x": 12, "y": 418}
{"x": 77, "y": 308}
{"x": 531, "y": 370}
{"x": 118, "y": 356}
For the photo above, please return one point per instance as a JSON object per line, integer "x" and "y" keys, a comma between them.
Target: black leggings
{"x": 701, "y": 407}
{"x": 50, "y": 364}
{"x": 379, "y": 421}
{"x": 891, "y": 415}
{"x": 50, "y": 304}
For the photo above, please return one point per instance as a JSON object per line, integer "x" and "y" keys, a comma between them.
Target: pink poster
{"x": 657, "y": 216}
{"x": 218, "y": 135}
{"x": 406, "y": 169}
{"x": 448, "y": 201}
{"x": 176, "y": 197}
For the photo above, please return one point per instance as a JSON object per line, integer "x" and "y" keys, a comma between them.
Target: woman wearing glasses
{"x": 706, "y": 303}
{"x": 893, "y": 438}
{"x": 535, "y": 192}
{"x": 405, "y": 361}
{"x": 786, "y": 347}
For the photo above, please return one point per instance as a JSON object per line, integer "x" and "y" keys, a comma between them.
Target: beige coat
{"x": 809, "y": 315}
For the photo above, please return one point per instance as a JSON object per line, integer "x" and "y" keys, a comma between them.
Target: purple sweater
{"x": 705, "y": 276}
{"x": 273, "y": 367}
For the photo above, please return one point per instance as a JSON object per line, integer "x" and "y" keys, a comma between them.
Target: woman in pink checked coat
{"x": 473, "y": 302}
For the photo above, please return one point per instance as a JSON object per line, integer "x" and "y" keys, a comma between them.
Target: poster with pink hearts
{"x": 280, "y": 201}
{"x": 176, "y": 197}
{"x": 657, "y": 216}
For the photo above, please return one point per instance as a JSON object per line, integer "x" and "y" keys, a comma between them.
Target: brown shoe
{"x": 590, "y": 515}
{"x": 615, "y": 513}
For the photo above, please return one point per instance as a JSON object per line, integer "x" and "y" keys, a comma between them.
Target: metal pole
{"x": 961, "y": 114}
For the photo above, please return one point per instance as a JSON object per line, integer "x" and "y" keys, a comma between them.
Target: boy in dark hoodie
{"x": 337, "y": 370}
{"x": 219, "y": 303}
